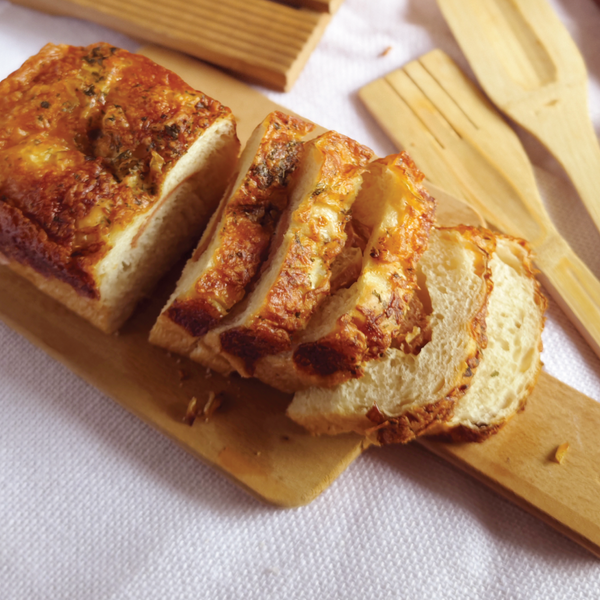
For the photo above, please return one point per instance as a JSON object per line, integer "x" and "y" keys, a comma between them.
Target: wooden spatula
{"x": 463, "y": 145}
{"x": 532, "y": 70}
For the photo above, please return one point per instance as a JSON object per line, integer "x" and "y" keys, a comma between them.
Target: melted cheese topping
{"x": 87, "y": 138}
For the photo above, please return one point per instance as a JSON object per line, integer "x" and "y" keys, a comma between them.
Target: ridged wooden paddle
{"x": 463, "y": 145}
{"x": 263, "y": 40}
{"x": 530, "y": 67}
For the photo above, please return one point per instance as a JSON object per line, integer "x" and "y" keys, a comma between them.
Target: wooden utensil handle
{"x": 575, "y": 145}
{"x": 573, "y": 286}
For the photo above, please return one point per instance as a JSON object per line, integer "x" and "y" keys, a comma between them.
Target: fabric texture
{"x": 95, "y": 504}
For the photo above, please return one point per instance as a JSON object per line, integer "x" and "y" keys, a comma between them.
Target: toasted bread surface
{"x": 236, "y": 241}
{"x": 310, "y": 236}
{"x": 358, "y": 324}
{"x": 97, "y": 146}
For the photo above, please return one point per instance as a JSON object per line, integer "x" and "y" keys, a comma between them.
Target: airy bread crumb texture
{"x": 511, "y": 361}
{"x": 402, "y": 394}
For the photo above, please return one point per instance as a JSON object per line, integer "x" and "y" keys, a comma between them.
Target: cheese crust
{"x": 240, "y": 235}
{"x": 88, "y": 137}
{"x": 310, "y": 237}
{"x": 379, "y": 301}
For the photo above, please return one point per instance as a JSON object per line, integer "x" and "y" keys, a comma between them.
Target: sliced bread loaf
{"x": 402, "y": 394}
{"x": 357, "y": 324}
{"x": 236, "y": 242}
{"x": 311, "y": 235}
{"x": 511, "y": 361}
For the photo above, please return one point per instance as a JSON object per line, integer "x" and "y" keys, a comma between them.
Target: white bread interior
{"x": 412, "y": 391}
{"x": 511, "y": 361}
{"x": 165, "y": 332}
{"x": 144, "y": 250}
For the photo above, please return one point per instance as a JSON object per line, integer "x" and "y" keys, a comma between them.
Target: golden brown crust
{"x": 87, "y": 139}
{"x": 318, "y": 240}
{"x": 249, "y": 220}
{"x": 100, "y": 315}
{"x": 403, "y": 429}
{"x": 367, "y": 330}
{"x": 173, "y": 337}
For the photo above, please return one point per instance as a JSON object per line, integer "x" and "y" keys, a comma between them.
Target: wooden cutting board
{"x": 267, "y": 41}
{"x": 249, "y": 438}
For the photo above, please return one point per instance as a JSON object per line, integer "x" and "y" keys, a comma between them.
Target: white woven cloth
{"x": 94, "y": 504}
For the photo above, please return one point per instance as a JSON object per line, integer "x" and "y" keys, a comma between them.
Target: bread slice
{"x": 236, "y": 242}
{"x": 511, "y": 361}
{"x": 310, "y": 236}
{"x": 357, "y": 324}
{"x": 110, "y": 167}
{"x": 402, "y": 394}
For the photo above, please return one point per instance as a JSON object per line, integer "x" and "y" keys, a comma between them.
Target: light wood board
{"x": 329, "y": 6}
{"x": 251, "y": 440}
{"x": 263, "y": 40}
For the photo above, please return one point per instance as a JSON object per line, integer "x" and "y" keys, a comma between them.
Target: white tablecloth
{"x": 94, "y": 504}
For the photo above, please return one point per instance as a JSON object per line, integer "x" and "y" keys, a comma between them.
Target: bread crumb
{"x": 386, "y": 51}
{"x": 191, "y": 412}
{"x": 212, "y": 405}
{"x": 561, "y": 452}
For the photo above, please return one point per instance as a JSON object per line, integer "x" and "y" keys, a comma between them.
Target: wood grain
{"x": 329, "y": 6}
{"x": 519, "y": 461}
{"x": 264, "y": 41}
{"x": 463, "y": 144}
{"x": 250, "y": 440}
{"x": 531, "y": 68}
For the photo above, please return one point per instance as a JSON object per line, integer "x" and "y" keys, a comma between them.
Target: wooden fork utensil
{"x": 530, "y": 67}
